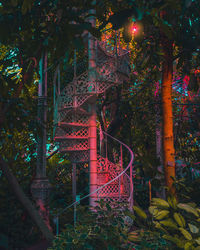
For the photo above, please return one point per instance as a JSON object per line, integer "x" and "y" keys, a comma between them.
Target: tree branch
{"x": 34, "y": 214}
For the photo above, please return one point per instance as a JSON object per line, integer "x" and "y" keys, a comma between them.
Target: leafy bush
{"x": 106, "y": 228}
{"x": 177, "y": 223}
{"x": 168, "y": 224}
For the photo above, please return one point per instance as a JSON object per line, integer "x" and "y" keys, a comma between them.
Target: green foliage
{"x": 147, "y": 239}
{"x": 140, "y": 212}
{"x": 170, "y": 225}
{"x": 27, "y": 28}
{"x": 106, "y": 228}
{"x": 143, "y": 234}
{"x": 175, "y": 225}
{"x": 179, "y": 222}
{"x": 32, "y": 26}
{"x": 17, "y": 146}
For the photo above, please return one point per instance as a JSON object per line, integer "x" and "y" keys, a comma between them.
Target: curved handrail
{"x": 106, "y": 184}
{"x": 129, "y": 166}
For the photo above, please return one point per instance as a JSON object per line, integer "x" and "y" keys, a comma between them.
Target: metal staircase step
{"x": 86, "y": 93}
{"x": 111, "y": 184}
{"x": 72, "y": 124}
{"x": 74, "y": 110}
{"x": 73, "y": 149}
{"x": 60, "y": 138}
{"x": 113, "y": 195}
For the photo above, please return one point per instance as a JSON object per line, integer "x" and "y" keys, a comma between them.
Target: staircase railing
{"x": 80, "y": 90}
{"x": 123, "y": 172}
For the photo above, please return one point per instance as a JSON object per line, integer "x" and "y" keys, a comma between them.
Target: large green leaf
{"x": 188, "y": 209}
{"x": 169, "y": 223}
{"x": 159, "y": 203}
{"x": 193, "y": 229}
{"x": 185, "y": 233}
{"x": 140, "y": 212}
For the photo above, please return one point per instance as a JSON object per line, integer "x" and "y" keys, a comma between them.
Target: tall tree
{"x": 162, "y": 40}
{"x": 168, "y": 136}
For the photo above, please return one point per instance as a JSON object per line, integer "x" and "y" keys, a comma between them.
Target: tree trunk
{"x": 34, "y": 214}
{"x": 168, "y": 137}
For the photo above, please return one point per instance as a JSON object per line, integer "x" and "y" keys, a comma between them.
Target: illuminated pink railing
{"x": 123, "y": 173}
{"x": 73, "y": 117}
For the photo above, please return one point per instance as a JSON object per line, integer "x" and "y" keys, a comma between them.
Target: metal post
{"x": 74, "y": 189}
{"x": 121, "y": 163}
{"x": 92, "y": 122}
{"x": 119, "y": 188}
{"x": 40, "y": 186}
{"x": 106, "y": 140}
{"x": 131, "y": 188}
{"x": 74, "y": 87}
{"x": 93, "y": 155}
{"x": 58, "y": 79}
{"x": 56, "y": 94}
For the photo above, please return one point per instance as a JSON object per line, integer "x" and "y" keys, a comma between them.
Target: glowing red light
{"x": 197, "y": 71}
{"x": 133, "y": 29}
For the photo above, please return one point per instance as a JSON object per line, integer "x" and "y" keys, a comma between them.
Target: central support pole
{"x": 93, "y": 155}
{"x": 74, "y": 189}
{"x": 92, "y": 123}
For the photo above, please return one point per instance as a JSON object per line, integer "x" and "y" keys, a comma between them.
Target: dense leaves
{"x": 27, "y": 28}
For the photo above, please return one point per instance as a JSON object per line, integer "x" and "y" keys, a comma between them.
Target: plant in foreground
{"x": 106, "y": 228}
{"x": 178, "y": 223}
{"x": 167, "y": 225}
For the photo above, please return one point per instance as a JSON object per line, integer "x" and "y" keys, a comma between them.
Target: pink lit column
{"x": 93, "y": 155}
{"x": 92, "y": 123}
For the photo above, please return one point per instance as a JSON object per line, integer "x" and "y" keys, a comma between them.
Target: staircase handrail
{"x": 106, "y": 184}
{"x": 121, "y": 53}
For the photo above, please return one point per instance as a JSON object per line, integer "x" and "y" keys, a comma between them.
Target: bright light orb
{"x": 133, "y": 29}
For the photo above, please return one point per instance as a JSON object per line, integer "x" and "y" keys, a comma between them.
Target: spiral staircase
{"x": 73, "y": 120}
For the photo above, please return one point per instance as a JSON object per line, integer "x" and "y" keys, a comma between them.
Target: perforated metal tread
{"x": 60, "y": 138}
{"x": 72, "y": 124}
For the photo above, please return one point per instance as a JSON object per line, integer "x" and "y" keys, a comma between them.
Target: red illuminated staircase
{"x": 73, "y": 116}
